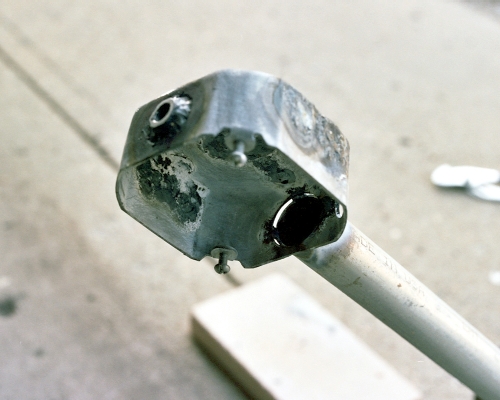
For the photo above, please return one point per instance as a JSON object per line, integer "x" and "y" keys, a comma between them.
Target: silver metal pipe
{"x": 364, "y": 272}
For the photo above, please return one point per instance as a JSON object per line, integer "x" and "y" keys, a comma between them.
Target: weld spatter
{"x": 311, "y": 131}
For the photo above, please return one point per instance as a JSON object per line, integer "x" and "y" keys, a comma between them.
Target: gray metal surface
{"x": 237, "y": 160}
{"x": 364, "y": 272}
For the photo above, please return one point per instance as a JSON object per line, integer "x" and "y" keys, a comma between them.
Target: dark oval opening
{"x": 161, "y": 112}
{"x": 298, "y": 220}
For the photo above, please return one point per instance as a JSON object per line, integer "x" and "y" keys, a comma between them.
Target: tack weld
{"x": 312, "y": 130}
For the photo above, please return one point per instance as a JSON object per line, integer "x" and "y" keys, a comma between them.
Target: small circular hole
{"x": 161, "y": 113}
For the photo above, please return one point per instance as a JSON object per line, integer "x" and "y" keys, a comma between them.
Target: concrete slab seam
{"x": 57, "y": 108}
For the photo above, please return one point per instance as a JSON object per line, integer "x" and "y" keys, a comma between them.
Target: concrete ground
{"x": 92, "y": 305}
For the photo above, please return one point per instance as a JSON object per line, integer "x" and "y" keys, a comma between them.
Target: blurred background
{"x": 94, "y": 306}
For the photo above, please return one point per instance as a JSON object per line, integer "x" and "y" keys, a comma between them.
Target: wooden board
{"x": 276, "y": 342}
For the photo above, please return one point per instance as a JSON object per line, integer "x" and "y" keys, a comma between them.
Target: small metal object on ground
{"x": 278, "y": 343}
{"x": 478, "y": 182}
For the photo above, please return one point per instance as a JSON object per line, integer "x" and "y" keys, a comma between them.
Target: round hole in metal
{"x": 161, "y": 113}
{"x": 297, "y": 219}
